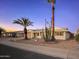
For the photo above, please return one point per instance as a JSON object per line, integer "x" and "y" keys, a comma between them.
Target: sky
{"x": 66, "y": 13}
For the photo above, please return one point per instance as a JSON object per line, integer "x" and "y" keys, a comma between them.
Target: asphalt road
{"x": 7, "y": 52}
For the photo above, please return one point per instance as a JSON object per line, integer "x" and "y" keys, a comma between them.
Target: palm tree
{"x": 53, "y": 8}
{"x": 24, "y": 22}
{"x": 1, "y": 30}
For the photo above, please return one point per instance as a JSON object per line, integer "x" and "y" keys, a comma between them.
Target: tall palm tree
{"x": 53, "y": 8}
{"x": 24, "y": 22}
{"x": 1, "y": 30}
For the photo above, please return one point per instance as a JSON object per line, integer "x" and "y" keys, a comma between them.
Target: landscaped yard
{"x": 67, "y": 44}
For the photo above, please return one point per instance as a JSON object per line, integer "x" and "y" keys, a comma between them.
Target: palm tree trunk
{"x": 53, "y": 38}
{"x": 0, "y": 34}
{"x": 25, "y": 33}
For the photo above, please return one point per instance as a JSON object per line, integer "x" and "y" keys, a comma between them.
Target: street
{"x": 7, "y": 52}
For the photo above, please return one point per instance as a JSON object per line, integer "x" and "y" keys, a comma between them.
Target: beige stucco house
{"x": 60, "y": 33}
{"x": 38, "y": 33}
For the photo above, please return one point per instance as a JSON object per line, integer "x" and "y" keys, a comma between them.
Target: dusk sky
{"x": 66, "y": 13}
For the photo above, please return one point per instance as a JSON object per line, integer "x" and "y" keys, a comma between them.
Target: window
{"x": 56, "y": 33}
{"x": 59, "y": 33}
{"x": 37, "y": 34}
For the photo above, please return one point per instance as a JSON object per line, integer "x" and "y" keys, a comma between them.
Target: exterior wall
{"x": 67, "y": 35}
{"x": 60, "y": 34}
{"x": 37, "y": 34}
{"x": 64, "y": 36}
{"x": 20, "y": 34}
{"x": 59, "y": 37}
{"x": 29, "y": 34}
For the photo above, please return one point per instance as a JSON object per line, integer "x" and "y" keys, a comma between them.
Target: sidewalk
{"x": 56, "y": 52}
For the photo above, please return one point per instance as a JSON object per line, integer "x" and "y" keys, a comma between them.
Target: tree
{"x": 23, "y": 22}
{"x": 53, "y": 8}
{"x": 1, "y": 30}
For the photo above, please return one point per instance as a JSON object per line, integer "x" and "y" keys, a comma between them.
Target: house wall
{"x": 67, "y": 35}
{"x": 20, "y": 34}
{"x": 29, "y": 34}
{"x": 64, "y": 36}
{"x": 60, "y": 35}
{"x": 37, "y": 34}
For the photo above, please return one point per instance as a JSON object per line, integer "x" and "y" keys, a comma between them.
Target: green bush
{"x": 77, "y": 37}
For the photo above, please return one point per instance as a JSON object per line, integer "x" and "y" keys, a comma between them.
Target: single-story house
{"x": 60, "y": 33}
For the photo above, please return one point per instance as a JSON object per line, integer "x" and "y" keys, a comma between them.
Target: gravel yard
{"x": 67, "y": 44}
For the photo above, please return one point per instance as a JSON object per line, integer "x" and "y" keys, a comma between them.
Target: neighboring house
{"x": 60, "y": 33}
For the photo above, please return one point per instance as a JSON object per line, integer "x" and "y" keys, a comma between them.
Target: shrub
{"x": 77, "y": 37}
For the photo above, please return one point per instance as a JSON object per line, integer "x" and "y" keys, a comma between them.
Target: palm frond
{"x": 54, "y": 1}
{"x": 18, "y": 22}
{"x": 29, "y": 23}
{"x": 49, "y": 1}
{"x": 23, "y": 21}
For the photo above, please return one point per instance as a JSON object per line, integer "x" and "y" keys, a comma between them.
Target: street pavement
{"x": 56, "y": 52}
{"x": 7, "y": 52}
